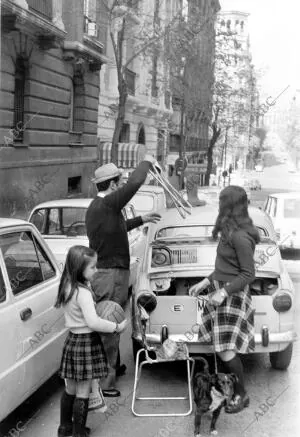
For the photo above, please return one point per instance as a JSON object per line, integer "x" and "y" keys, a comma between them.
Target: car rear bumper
{"x": 275, "y": 341}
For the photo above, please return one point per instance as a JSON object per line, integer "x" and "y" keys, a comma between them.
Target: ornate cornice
{"x": 15, "y": 18}
{"x": 79, "y": 53}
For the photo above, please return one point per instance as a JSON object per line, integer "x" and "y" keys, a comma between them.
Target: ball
{"x": 109, "y": 310}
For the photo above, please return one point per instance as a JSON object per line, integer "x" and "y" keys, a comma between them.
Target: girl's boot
{"x": 80, "y": 412}
{"x": 66, "y": 413}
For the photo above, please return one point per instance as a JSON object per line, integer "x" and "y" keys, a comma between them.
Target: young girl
{"x": 233, "y": 327}
{"x": 83, "y": 357}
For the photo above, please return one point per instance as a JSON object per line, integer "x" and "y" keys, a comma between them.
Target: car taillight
{"x": 282, "y": 302}
{"x": 160, "y": 257}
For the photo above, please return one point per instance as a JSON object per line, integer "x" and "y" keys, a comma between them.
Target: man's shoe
{"x": 237, "y": 404}
{"x": 111, "y": 393}
{"x": 121, "y": 370}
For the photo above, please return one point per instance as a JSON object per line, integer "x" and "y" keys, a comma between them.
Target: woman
{"x": 229, "y": 317}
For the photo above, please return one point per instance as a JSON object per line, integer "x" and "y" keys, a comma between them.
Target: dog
{"x": 211, "y": 393}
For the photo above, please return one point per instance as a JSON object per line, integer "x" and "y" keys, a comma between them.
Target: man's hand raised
{"x": 153, "y": 217}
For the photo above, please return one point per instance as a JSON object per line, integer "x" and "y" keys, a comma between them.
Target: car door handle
{"x": 25, "y": 314}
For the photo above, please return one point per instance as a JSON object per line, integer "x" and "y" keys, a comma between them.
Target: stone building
{"x": 148, "y": 105}
{"x": 200, "y": 16}
{"x": 51, "y": 54}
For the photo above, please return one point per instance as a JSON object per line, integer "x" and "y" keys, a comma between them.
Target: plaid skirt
{"x": 83, "y": 357}
{"x": 229, "y": 326}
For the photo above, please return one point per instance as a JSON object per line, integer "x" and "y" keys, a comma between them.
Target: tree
{"x": 135, "y": 32}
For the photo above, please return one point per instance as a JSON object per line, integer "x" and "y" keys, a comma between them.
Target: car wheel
{"x": 281, "y": 360}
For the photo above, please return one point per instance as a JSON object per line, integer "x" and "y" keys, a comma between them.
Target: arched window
{"x": 141, "y": 139}
{"x": 20, "y": 78}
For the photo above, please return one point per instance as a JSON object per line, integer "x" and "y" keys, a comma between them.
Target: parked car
{"x": 181, "y": 252}
{"x": 149, "y": 198}
{"x": 32, "y": 331}
{"x": 62, "y": 224}
{"x": 284, "y": 210}
{"x": 254, "y": 184}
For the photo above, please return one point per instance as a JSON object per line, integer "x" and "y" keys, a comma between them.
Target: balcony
{"x": 130, "y": 81}
{"x": 41, "y": 7}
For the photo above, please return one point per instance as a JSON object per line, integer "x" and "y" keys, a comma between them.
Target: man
{"x": 107, "y": 233}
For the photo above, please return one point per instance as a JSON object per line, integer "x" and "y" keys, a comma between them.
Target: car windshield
{"x": 143, "y": 202}
{"x": 204, "y": 231}
{"x": 292, "y": 208}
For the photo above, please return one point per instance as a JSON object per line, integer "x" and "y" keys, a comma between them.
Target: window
{"x": 292, "y": 208}
{"x": 273, "y": 207}
{"x": 2, "y": 288}
{"x": 53, "y": 225}
{"x": 143, "y": 203}
{"x": 68, "y": 221}
{"x": 38, "y": 218}
{"x": 186, "y": 231}
{"x": 154, "y": 87}
{"x": 90, "y": 26}
{"x": 74, "y": 185}
{"x": 125, "y": 133}
{"x": 26, "y": 262}
{"x": 77, "y": 104}
{"x": 73, "y": 221}
{"x": 20, "y": 77}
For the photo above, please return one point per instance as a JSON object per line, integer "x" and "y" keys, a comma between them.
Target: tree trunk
{"x": 212, "y": 142}
{"x": 122, "y": 87}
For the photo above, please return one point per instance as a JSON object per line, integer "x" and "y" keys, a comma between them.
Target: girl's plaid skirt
{"x": 229, "y": 326}
{"x": 83, "y": 357}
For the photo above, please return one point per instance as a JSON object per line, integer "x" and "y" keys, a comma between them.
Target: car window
{"x": 185, "y": 231}
{"x": 26, "y": 262}
{"x": 273, "y": 207}
{"x": 292, "y": 208}
{"x": 53, "y": 225}
{"x": 204, "y": 231}
{"x": 2, "y": 288}
{"x": 143, "y": 202}
{"x": 73, "y": 221}
{"x": 38, "y": 218}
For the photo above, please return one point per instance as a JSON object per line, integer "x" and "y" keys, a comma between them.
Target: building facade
{"x": 241, "y": 103}
{"x": 192, "y": 112}
{"x": 148, "y": 105}
{"x": 51, "y": 55}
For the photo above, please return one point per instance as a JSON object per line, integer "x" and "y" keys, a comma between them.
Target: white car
{"x": 149, "y": 198}
{"x": 62, "y": 224}
{"x": 284, "y": 210}
{"x": 32, "y": 331}
{"x": 181, "y": 252}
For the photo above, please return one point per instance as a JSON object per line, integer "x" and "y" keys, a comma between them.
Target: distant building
{"x": 52, "y": 52}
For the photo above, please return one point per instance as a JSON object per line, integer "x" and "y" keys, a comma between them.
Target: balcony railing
{"x": 130, "y": 81}
{"x": 41, "y": 7}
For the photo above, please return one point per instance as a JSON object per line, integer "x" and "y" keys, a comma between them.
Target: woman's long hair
{"x": 233, "y": 214}
{"x": 77, "y": 259}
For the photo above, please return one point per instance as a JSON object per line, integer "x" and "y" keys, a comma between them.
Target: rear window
{"x": 204, "y": 231}
{"x": 143, "y": 203}
{"x": 292, "y": 208}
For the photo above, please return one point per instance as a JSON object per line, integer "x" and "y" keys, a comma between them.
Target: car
{"x": 149, "y": 198}
{"x": 62, "y": 225}
{"x": 32, "y": 331}
{"x": 179, "y": 253}
{"x": 200, "y": 194}
{"x": 284, "y": 210}
{"x": 254, "y": 184}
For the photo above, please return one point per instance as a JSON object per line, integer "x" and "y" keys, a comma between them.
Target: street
{"x": 275, "y": 395}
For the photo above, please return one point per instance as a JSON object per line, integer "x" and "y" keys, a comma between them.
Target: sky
{"x": 275, "y": 43}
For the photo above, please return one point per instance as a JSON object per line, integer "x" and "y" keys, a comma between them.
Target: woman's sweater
{"x": 81, "y": 316}
{"x": 235, "y": 262}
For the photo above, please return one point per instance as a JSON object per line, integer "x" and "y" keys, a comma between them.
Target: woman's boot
{"x": 80, "y": 412}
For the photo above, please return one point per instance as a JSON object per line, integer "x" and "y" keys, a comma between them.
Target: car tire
{"x": 281, "y": 360}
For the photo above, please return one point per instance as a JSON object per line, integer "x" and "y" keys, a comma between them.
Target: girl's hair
{"x": 233, "y": 214}
{"x": 77, "y": 259}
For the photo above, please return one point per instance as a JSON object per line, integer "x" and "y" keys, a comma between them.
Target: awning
{"x": 129, "y": 154}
